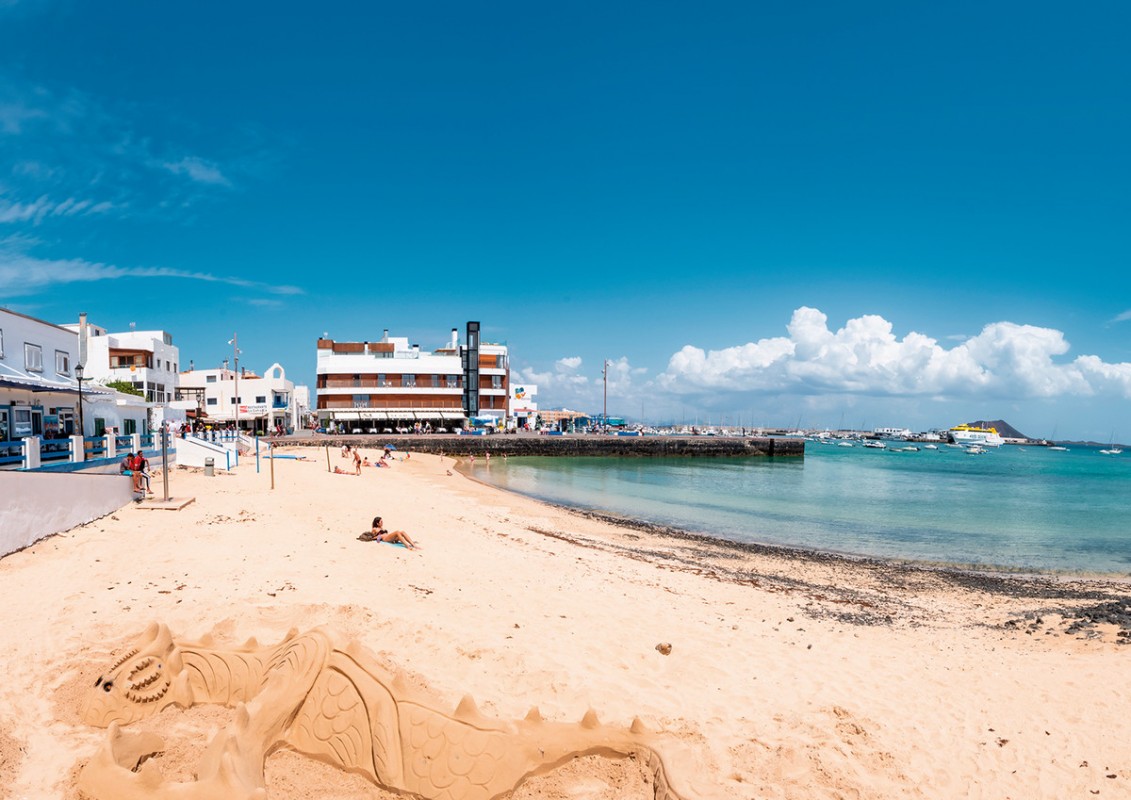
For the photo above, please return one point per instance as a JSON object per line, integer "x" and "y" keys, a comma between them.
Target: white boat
{"x": 909, "y": 449}
{"x": 976, "y": 450}
{"x": 1058, "y": 447}
{"x": 875, "y": 444}
{"x": 1111, "y": 451}
{"x": 930, "y": 447}
{"x": 967, "y": 435}
{"x": 845, "y": 444}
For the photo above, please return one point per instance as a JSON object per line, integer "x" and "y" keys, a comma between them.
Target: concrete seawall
{"x": 528, "y": 445}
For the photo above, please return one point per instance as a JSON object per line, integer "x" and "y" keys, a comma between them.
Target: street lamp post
{"x": 235, "y": 343}
{"x": 79, "y": 378}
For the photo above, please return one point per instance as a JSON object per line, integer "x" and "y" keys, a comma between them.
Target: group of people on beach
{"x": 136, "y": 465}
{"x": 360, "y": 461}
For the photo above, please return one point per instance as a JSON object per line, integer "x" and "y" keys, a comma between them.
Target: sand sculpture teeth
{"x": 335, "y": 702}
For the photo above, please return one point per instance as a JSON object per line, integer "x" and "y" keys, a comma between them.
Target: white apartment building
{"x": 250, "y": 401}
{"x": 38, "y": 390}
{"x": 389, "y": 383}
{"x": 148, "y": 360}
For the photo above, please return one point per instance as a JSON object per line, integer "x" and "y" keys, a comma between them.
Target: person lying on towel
{"x": 377, "y": 533}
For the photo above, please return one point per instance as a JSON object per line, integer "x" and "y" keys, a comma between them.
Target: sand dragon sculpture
{"x": 334, "y": 702}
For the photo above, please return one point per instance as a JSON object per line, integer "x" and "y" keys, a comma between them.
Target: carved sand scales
{"x": 335, "y": 703}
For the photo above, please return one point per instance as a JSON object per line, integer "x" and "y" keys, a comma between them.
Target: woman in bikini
{"x": 379, "y": 534}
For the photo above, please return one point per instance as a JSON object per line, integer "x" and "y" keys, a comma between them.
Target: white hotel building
{"x": 389, "y": 383}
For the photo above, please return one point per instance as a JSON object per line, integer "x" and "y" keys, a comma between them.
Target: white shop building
{"x": 245, "y": 399}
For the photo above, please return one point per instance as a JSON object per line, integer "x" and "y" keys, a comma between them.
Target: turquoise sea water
{"x": 1014, "y": 508}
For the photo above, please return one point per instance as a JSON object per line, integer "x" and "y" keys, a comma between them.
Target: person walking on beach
{"x": 377, "y": 533}
{"x": 356, "y": 462}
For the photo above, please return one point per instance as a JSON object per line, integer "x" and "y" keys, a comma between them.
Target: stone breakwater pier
{"x": 575, "y": 446}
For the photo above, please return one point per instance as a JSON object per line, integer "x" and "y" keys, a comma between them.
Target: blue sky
{"x": 865, "y": 214}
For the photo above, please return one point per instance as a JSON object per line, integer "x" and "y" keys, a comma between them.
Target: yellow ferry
{"x": 972, "y": 435}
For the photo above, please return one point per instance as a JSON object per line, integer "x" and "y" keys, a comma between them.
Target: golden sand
{"x": 790, "y": 676}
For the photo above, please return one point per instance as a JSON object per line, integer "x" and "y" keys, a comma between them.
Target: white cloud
{"x": 14, "y": 116}
{"x": 1126, "y": 315}
{"x": 566, "y": 386}
{"x": 43, "y": 207}
{"x": 21, "y": 273}
{"x": 866, "y": 357}
{"x": 198, "y": 170}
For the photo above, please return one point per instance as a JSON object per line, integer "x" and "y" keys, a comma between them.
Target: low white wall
{"x": 192, "y": 451}
{"x": 38, "y": 504}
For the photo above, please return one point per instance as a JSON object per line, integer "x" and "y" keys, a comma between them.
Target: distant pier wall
{"x": 627, "y": 446}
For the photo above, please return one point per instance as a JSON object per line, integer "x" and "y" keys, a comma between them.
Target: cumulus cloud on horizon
{"x": 866, "y": 357}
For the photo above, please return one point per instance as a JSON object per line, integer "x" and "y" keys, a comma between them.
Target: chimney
{"x": 367, "y": 348}
{"x": 455, "y": 338}
{"x": 84, "y": 332}
{"x": 385, "y": 338}
{"x": 225, "y": 363}
{"x": 190, "y": 365}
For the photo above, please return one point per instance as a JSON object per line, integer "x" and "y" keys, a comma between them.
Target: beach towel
{"x": 369, "y": 537}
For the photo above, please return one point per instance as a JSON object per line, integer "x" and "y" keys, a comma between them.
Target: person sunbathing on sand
{"x": 378, "y": 534}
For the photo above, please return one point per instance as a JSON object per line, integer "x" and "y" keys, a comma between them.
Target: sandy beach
{"x": 789, "y": 675}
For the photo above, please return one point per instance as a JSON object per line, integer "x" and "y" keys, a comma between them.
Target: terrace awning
{"x": 13, "y": 378}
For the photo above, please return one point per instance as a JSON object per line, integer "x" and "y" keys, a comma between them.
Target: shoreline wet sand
{"x": 1085, "y": 600}
{"x": 788, "y": 674}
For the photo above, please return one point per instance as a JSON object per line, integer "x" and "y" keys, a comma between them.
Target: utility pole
{"x": 235, "y": 343}
{"x": 605, "y": 374}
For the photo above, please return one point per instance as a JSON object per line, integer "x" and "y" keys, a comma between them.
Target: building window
{"x": 408, "y": 380}
{"x": 33, "y": 357}
{"x": 453, "y": 381}
{"x": 382, "y": 379}
{"x": 209, "y": 378}
{"x": 62, "y": 362}
{"x": 261, "y": 398}
{"x": 435, "y": 381}
{"x": 496, "y": 381}
{"x": 232, "y": 401}
{"x": 361, "y": 401}
{"x": 211, "y": 401}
